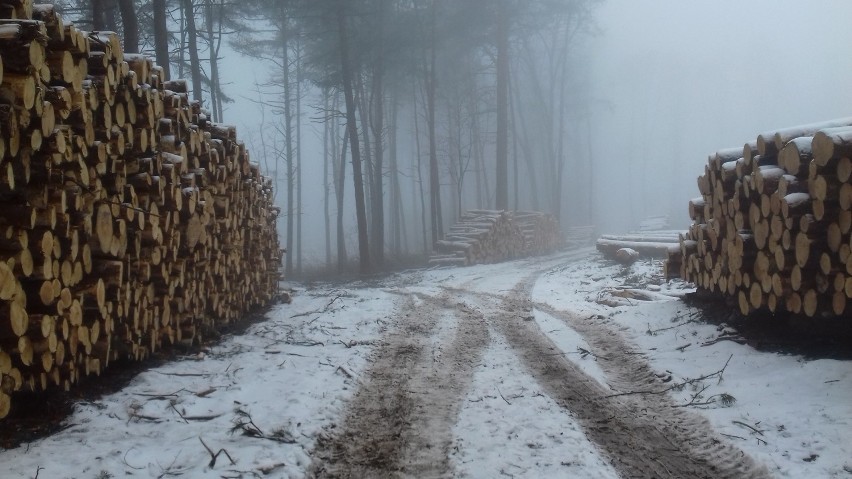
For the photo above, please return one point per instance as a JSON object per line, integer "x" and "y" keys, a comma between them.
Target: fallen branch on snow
{"x": 215, "y": 456}
{"x": 677, "y": 386}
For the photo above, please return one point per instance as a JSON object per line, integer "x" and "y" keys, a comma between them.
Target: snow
{"x": 265, "y": 396}
{"x": 505, "y": 428}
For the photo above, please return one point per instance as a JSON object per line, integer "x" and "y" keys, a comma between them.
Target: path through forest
{"x": 401, "y": 419}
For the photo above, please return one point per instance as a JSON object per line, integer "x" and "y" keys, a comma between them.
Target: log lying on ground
{"x": 130, "y": 221}
{"x": 489, "y": 236}
{"x": 651, "y": 249}
{"x": 777, "y": 234}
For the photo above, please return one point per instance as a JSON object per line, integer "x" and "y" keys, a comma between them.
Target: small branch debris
{"x": 678, "y": 386}
{"x": 214, "y": 457}
{"x": 740, "y": 423}
{"x": 245, "y": 423}
{"x": 321, "y": 311}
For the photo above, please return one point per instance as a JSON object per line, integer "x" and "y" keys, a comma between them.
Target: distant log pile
{"x": 129, "y": 221}
{"x": 486, "y": 236}
{"x": 772, "y": 225}
{"x": 540, "y": 230}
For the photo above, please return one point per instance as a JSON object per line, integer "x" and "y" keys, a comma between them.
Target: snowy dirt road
{"x": 565, "y": 366}
{"x": 402, "y": 418}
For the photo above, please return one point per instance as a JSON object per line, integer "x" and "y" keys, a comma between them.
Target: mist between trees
{"x": 382, "y": 120}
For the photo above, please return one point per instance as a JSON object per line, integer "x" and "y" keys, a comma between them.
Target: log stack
{"x": 129, "y": 221}
{"x": 490, "y": 236}
{"x": 541, "y": 232}
{"x": 772, "y": 225}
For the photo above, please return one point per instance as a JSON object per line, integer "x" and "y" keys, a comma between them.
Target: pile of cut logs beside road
{"x": 129, "y": 221}
{"x": 772, "y": 226}
{"x": 490, "y": 236}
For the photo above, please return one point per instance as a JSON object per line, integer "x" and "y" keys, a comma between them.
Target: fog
{"x": 684, "y": 79}
{"x": 654, "y": 87}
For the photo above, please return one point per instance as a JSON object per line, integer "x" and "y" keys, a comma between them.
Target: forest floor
{"x": 562, "y": 366}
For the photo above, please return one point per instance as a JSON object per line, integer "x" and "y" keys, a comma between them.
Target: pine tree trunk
{"x": 288, "y": 138}
{"x": 352, "y": 126}
{"x": 161, "y": 36}
{"x": 502, "y": 186}
{"x": 214, "y": 63}
{"x": 434, "y": 179}
{"x": 339, "y": 190}
{"x": 299, "y": 206}
{"x": 131, "y": 26}
{"x": 192, "y": 47}
{"x": 377, "y": 190}
{"x": 426, "y": 247}
{"x": 398, "y": 223}
{"x": 98, "y": 17}
{"x": 325, "y": 179}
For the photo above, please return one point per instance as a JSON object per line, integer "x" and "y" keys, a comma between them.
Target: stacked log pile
{"x": 129, "y": 222}
{"x": 488, "y": 236}
{"x": 540, "y": 230}
{"x": 772, "y": 225}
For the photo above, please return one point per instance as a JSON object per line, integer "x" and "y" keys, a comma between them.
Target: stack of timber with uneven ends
{"x": 128, "y": 221}
{"x": 490, "y": 236}
{"x": 772, "y": 225}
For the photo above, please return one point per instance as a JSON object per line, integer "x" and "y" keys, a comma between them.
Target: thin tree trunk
{"x": 98, "y": 17}
{"x": 560, "y": 152}
{"x": 338, "y": 169}
{"x": 326, "y": 126}
{"x": 398, "y": 223}
{"x": 351, "y": 125}
{"x": 161, "y": 36}
{"x": 525, "y": 145}
{"x": 217, "y": 84}
{"x": 299, "y": 205}
{"x": 130, "y": 26}
{"x": 288, "y": 137}
{"x": 502, "y": 186}
{"x": 434, "y": 180}
{"x": 378, "y": 110}
{"x": 339, "y": 190}
{"x": 110, "y": 18}
{"x": 214, "y": 63}
{"x": 192, "y": 47}
{"x": 513, "y": 119}
{"x": 426, "y": 247}
{"x": 362, "y": 102}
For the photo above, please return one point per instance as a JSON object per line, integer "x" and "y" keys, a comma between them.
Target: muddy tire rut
{"x": 400, "y": 421}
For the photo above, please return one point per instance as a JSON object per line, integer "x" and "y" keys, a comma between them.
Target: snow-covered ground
{"x": 256, "y": 404}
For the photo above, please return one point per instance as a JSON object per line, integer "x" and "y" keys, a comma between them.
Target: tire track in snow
{"x": 642, "y": 436}
{"x": 400, "y": 420}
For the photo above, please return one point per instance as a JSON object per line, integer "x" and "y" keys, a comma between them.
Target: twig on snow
{"x": 504, "y": 398}
{"x": 124, "y": 459}
{"x": 677, "y": 386}
{"x": 322, "y": 311}
{"x": 740, "y": 423}
{"x": 215, "y": 456}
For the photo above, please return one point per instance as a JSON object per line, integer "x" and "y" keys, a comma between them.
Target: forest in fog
{"x": 380, "y": 121}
